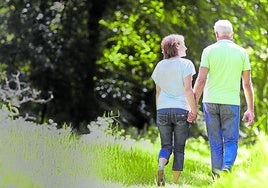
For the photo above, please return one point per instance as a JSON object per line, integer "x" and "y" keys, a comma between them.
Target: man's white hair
{"x": 223, "y": 27}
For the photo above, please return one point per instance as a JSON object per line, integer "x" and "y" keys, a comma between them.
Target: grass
{"x": 252, "y": 172}
{"x": 40, "y": 156}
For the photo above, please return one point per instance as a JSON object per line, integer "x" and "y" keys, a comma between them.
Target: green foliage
{"x": 42, "y": 156}
{"x": 251, "y": 172}
{"x": 130, "y": 51}
{"x": 13, "y": 111}
{"x": 17, "y": 179}
{"x": 125, "y": 166}
{"x": 14, "y": 93}
{"x": 110, "y": 124}
{"x": 98, "y": 56}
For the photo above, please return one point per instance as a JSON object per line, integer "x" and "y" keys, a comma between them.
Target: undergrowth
{"x": 42, "y": 156}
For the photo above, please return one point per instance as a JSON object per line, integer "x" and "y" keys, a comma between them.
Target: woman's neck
{"x": 175, "y": 57}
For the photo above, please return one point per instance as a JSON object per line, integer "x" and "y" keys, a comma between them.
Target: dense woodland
{"x": 97, "y": 56}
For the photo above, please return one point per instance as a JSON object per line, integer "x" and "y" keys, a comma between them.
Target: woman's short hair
{"x": 223, "y": 27}
{"x": 169, "y": 45}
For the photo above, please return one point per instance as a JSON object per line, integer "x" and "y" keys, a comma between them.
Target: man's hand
{"x": 249, "y": 116}
{"x": 191, "y": 117}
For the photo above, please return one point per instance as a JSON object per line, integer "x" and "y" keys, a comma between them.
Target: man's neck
{"x": 225, "y": 37}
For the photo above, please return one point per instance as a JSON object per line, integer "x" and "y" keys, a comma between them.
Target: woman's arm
{"x": 190, "y": 98}
{"x": 157, "y": 92}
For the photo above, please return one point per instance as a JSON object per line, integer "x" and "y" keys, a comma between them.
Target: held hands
{"x": 191, "y": 117}
{"x": 249, "y": 117}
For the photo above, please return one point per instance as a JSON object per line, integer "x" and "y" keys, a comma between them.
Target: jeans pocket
{"x": 180, "y": 118}
{"x": 162, "y": 119}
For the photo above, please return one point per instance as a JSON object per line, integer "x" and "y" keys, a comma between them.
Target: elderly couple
{"x": 223, "y": 65}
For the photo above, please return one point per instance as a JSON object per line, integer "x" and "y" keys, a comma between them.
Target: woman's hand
{"x": 191, "y": 117}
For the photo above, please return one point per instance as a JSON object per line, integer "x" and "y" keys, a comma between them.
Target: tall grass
{"x": 39, "y": 156}
{"x": 253, "y": 171}
{"x": 42, "y": 156}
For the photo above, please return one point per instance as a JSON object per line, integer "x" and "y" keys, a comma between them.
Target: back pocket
{"x": 162, "y": 119}
{"x": 180, "y": 118}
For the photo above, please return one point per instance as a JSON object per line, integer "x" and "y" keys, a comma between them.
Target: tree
{"x": 53, "y": 43}
{"x": 98, "y": 56}
{"x": 130, "y": 51}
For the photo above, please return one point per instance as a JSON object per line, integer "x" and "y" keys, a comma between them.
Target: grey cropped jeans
{"x": 174, "y": 131}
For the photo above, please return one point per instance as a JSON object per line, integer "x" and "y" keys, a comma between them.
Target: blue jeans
{"x": 174, "y": 131}
{"x": 222, "y": 124}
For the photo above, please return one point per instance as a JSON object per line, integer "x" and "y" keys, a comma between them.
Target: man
{"x": 222, "y": 66}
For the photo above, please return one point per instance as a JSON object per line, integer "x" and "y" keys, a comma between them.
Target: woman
{"x": 175, "y": 103}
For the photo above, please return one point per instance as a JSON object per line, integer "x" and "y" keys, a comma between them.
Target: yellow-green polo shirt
{"x": 226, "y": 61}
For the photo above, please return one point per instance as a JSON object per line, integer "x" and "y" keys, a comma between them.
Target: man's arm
{"x": 249, "y": 95}
{"x": 200, "y": 83}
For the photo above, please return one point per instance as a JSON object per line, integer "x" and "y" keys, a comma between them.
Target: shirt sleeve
{"x": 189, "y": 69}
{"x": 204, "y": 59}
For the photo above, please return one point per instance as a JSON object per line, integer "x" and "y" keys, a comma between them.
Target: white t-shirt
{"x": 169, "y": 75}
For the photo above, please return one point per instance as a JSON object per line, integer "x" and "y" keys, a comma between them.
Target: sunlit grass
{"x": 41, "y": 156}
{"x": 252, "y": 171}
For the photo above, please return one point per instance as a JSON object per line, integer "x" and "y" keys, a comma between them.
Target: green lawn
{"x": 41, "y": 156}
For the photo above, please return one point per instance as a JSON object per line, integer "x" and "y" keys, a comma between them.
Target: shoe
{"x": 215, "y": 176}
{"x": 226, "y": 170}
{"x": 160, "y": 178}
